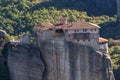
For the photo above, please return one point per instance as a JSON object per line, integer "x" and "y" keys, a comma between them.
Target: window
{"x": 68, "y": 35}
{"x": 84, "y": 30}
{"x": 84, "y": 40}
{"x": 75, "y": 30}
{"x": 66, "y": 30}
{"x": 59, "y": 31}
{"x": 89, "y": 40}
{"x": 91, "y": 29}
{"x": 95, "y": 29}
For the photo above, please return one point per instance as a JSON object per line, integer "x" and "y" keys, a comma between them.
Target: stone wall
{"x": 90, "y": 40}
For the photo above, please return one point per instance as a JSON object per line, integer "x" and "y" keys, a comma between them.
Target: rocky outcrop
{"x": 3, "y": 40}
{"x": 61, "y": 60}
{"x": 25, "y": 62}
{"x": 71, "y": 61}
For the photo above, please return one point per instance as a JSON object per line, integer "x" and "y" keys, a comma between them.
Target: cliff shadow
{"x": 89, "y": 7}
{"x": 4, "y": 71}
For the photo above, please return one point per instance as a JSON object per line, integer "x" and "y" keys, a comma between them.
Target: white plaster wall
{"x": 104, "y": 47}
{"x": 93, "y": 43}
{"x": 81, "y": 31}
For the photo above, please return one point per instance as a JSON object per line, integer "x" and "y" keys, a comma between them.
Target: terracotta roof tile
{"x": 102, "y": 40}
{"x": 47, "y": 24}
{"x": 73, "y": 25}
{"x": 43, "y": 26}
{"x": 82, "y": 25}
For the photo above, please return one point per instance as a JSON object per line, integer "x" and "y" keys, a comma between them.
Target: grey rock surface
{"x": 71, "y": 61}
{"x": 25, "y": 63}
{"x": 61, "y": 60}
{"x": 25, "y": 39}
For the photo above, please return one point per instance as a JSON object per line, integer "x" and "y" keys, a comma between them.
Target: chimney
{"x": 64, "y": 21}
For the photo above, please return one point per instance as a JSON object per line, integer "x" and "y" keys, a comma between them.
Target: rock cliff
{"x": 71, "y": 61}
{"x": 58, "y": 60}
{"x": 25, "y": 62}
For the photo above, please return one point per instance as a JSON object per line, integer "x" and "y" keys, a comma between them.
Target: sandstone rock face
{"x": 25, "y": 63}
{"x": 71, "y": 61}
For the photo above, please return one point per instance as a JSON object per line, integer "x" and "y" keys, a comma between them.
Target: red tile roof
{"x": 43, "y": 26}
{"x": 82, "y": 25}
{"x": 47, "y": 24}
{"x": 73, "y": 25}
{"x": 60, "y": 26}
{"x": 102, "y": 40}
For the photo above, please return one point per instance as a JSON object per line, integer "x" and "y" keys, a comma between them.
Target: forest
{"x": 18, "y": 17}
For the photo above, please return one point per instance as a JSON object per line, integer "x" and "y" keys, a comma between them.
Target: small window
{"x": 59, "y": 31}
{"x": 84, "y": 40}
{"x": 84, "y": 30}
{"x": 78, "y": 40}
{"x": 95, "y": 29}
{"x": 91, "y": 29}
{"x": 68, "y": 35}
{"x": 66, "y": 30}
{"x": 89, "y": 40}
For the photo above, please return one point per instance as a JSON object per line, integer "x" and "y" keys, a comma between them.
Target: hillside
{"x": 20, "y": 16}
